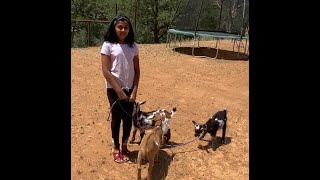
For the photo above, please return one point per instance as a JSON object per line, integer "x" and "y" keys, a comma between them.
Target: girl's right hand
{"x": 122, "y": 96}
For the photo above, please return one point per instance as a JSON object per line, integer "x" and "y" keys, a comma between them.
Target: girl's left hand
{"x": 132, "y": 98}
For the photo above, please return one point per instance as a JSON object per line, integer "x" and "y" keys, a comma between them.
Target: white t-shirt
{"x": 122, "y": 66}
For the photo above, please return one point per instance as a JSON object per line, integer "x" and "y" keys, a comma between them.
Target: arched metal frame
{"x": 238, "y": 40}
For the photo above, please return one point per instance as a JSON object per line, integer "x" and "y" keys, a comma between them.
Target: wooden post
{"x": 135, "y": 16}
{"x": 89, "y": 24}
{"x": 116, "y": 8}
{"x": 72, "y": 35}
{"x": 75, "y": 30}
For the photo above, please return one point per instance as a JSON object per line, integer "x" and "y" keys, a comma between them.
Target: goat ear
{"x": 143, "y": 102}
{"x": 194, "y": 122}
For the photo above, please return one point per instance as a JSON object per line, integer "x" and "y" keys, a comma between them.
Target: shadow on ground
{"x": 211, "y": 52}
{"x": 216, "y": 144}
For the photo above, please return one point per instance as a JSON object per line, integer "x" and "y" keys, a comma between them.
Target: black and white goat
{"x": 146, "y": 120}
{"x": 216, "y": 122}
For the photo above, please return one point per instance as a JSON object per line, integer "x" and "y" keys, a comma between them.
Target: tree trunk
{"x": 156, "y": 22}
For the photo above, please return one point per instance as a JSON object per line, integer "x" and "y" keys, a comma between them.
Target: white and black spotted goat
{"x": 146, "y": 120}
{"x": 216, "y": 122}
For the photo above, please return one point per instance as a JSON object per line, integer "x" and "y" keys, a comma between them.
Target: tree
{"x": 156, "y": 16}
{"x": 150, "y": 18}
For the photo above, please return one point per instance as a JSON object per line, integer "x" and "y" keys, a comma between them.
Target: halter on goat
{"x": 146, "y": 120}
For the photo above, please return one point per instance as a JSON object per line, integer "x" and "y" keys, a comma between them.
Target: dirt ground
{"x": 198, "y": 87}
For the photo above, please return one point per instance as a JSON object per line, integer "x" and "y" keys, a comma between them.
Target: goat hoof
{"x": 222, "y": 141}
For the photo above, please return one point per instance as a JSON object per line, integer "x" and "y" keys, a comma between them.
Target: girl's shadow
{"x": 216, "y": 144}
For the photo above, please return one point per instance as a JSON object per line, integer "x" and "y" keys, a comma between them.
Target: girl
{"x": 120, "y": 67}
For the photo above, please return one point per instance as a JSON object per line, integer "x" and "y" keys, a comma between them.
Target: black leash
{"x": 108, "y": 119}
{"x": 111, "y": 109}
{"x": 183, "y": 144}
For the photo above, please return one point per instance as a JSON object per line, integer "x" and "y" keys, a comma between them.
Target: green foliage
{"x": 78, "y": 41}
{"x": 150, "y": 18}
{"x": 89, "y": 9}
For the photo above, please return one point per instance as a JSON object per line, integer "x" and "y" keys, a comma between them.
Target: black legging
{"x": 120, "y": 110}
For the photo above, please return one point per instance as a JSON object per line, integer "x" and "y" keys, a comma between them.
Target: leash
{"x": 124, "y": 110}
{"x": 183, "y": 144}
{"x": 108, "y": 119}
{"x": 111, "y": 109}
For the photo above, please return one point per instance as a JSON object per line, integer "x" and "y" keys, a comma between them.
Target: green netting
{"x": 213, "y": 34}
{"x": 227, "y": 16}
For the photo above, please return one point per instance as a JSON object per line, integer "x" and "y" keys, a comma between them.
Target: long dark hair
{"x": 111, "y": 35}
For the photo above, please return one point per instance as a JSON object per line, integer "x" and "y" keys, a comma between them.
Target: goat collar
{"x": 157, "y": 126}
{"x": 203, "y": 132}
{"x": 205, "y": 127}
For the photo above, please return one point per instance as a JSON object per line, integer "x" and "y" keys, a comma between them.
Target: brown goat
{"x": 150, "y": 146}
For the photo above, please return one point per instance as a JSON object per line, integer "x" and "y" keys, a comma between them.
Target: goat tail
{"x": 173, "y": 111}
{"x": 139, "y": 160}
